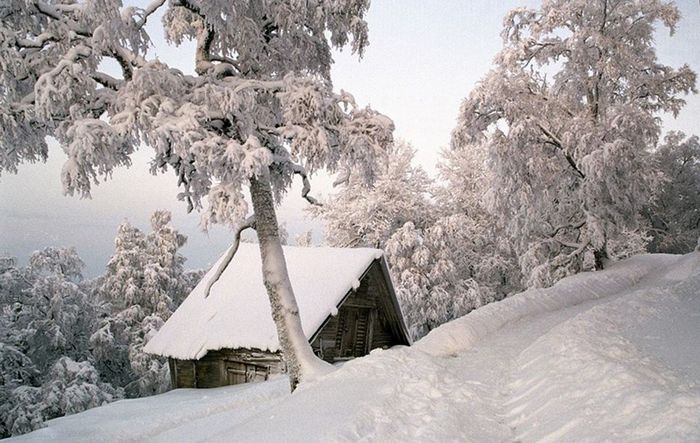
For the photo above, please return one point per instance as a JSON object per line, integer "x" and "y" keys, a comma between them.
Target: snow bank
{"x": 154, "y": 418}
{"x": 465, "y": 332}
{"x": 237, "y": 312}
{"x": 616, "y": 362}
{"x": 592, "y": 376}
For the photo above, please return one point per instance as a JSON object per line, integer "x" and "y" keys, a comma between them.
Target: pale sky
{"x": 424, "y": 58}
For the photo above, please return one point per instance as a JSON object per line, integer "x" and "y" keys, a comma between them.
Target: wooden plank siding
{"x": 225, "y": 367}
{"x": 367, "y": 318}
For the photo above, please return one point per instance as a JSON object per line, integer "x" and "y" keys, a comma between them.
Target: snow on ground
{"x": 611, "y": 355}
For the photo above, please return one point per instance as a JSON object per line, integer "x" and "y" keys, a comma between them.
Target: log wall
{"x": 367, "y": 319}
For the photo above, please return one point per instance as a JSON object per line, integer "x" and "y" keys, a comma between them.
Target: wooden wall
{"x": 225, "y": 367}
{"x": 367, "y": 319}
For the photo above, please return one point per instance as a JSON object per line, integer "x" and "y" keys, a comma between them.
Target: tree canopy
{"x": 569, "y": 115}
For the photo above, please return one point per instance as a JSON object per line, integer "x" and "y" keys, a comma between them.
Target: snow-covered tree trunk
{"x": 300, "y": 359}
{"x": 259, "y": 104}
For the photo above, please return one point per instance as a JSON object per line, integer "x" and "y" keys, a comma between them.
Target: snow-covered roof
{"x": 237, "y": 312}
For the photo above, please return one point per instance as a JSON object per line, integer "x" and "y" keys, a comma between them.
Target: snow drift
{"x": 610, "y": 355}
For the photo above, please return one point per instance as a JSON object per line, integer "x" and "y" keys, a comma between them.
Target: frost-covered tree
{"x": 675, "y": 212}
{"x": 69, "y": 387}
{"x": 46, "y": 317}
{"x": 445, "y": 270}
{"x": 568, "y": 116}
{"x": 258, "y": 110}
{"x": 305, "y": 239}
{"x": 485, "y": 251}
{"x": 144, "y": 279}
{"x": 55, "y": 314}
{"x": 73, "y": 387}
{"x": 190, "y": 278}
{"x": 365, "y": 214}
{"x": 428, "y": 285}
{"x": 123, "y": 281}
{"x": 163, "y": 274}
{"x": 444, "y": 257}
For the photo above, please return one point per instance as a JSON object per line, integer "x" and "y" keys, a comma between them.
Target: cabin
{"x": 346, "y": 302}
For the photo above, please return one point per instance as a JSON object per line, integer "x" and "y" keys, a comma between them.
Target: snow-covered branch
{"x": 249, "y": 223}
{"x": 264, "y": 85}
{"x": 299, "y": 170}
{"x": 145, "y": 13}
{"x": 556, "y": 142}
{"x": 107, "y": 80}
{"x": 36, "y": 43}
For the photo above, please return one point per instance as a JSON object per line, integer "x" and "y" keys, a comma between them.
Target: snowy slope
{"x": 611, "y": 356}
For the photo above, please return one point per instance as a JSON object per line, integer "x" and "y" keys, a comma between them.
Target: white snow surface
{"x": 237, "y": 312}
{"x": 604, "y": 356}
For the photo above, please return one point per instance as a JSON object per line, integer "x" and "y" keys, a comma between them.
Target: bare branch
{"x": 577, "y": 246}
{"x": 148, "y": 11}
{"x": 556, "y": 142}
{"x": 298, "y": 169}
{"x": 248, "y": 223}
{"x": 567, "y": 226}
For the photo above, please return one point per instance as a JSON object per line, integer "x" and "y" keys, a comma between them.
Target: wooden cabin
{"x": 347, "y": 306}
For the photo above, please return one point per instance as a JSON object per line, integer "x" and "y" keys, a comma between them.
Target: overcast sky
{"x": 424, "y": 58}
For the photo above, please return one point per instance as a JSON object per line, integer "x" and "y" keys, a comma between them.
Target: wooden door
{"x": 354, "y": 325}
{"x": 361, "y": 330}
{"x": 239, "y": 372}
{"x": 349, "y": 325}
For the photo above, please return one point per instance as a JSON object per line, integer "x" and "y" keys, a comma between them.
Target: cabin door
{"x": 354, "y": 332}
{"x": 239, "y": 372}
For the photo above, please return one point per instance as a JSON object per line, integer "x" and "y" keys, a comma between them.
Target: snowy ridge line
{"x": 463, "y": 333}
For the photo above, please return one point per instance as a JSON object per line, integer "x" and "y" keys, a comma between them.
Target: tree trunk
{"x": 295, "y": 347}
{"x": 601, "y": 256}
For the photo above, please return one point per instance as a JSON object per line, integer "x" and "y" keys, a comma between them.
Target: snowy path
{"x": 603, "y": 356}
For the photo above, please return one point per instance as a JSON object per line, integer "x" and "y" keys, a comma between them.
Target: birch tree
{"x": 568, "y": 116}
{"x": 258, "y": 110}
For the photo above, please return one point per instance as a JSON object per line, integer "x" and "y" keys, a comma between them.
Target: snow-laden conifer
{"x": 144, "y": 279}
